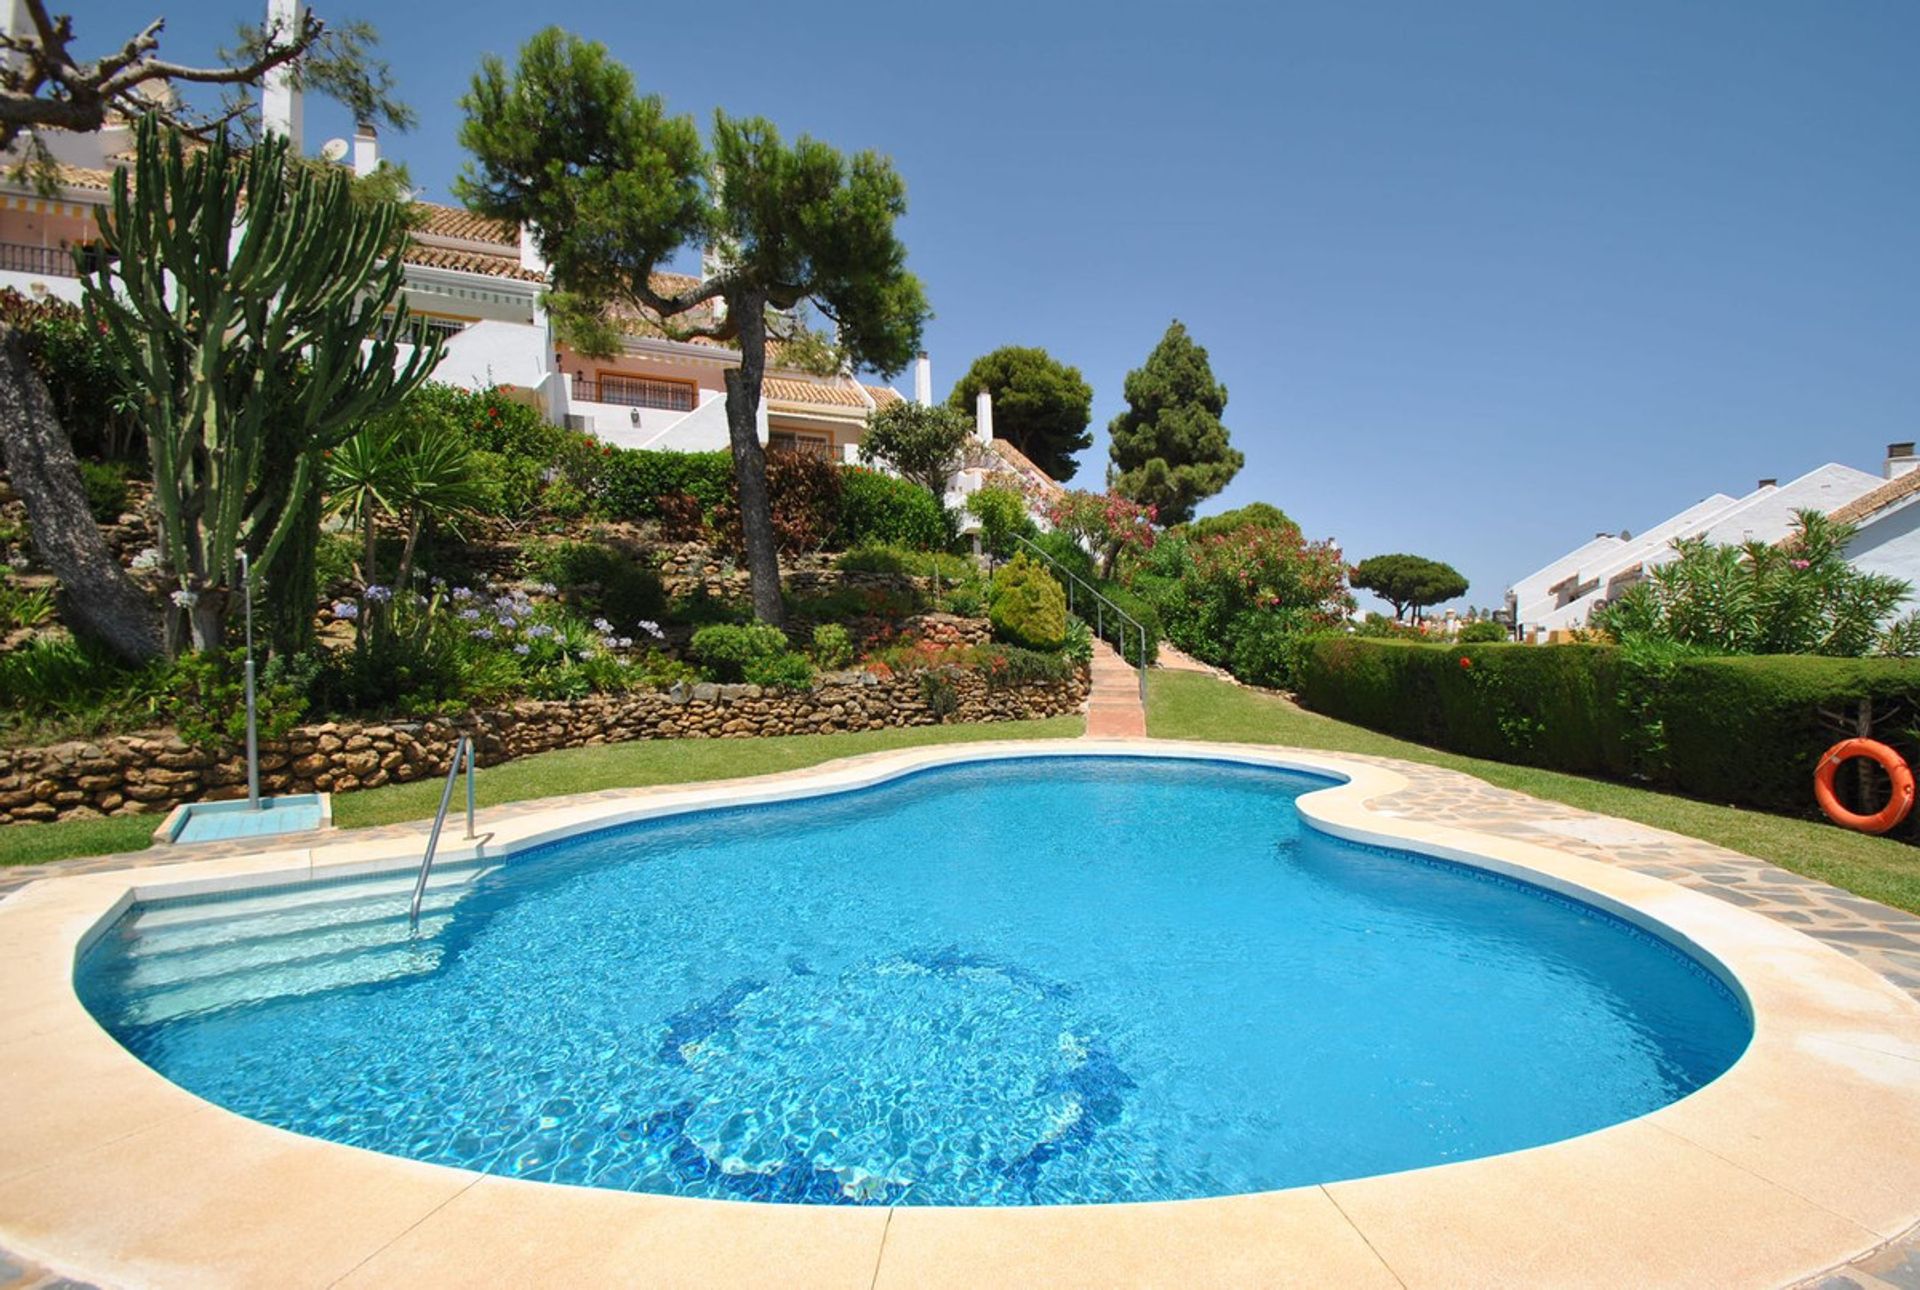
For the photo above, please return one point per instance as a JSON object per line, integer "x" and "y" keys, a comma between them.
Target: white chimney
{"x": 366, "y": 149}
{"x": 1900, "y": 460}
{"x": 281, "y": 111}
{"x": 983, "y": 416}
{"x": 923, "y": 380}
{"x": 530, "y": 257}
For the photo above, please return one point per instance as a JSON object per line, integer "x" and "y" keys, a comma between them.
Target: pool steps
{"x": 188, "y": 959}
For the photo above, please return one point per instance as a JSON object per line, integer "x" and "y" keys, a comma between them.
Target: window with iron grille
{"x": 445, "y": 328}
{"x": 805, "y": 444}
{"x": 645, "y": 392}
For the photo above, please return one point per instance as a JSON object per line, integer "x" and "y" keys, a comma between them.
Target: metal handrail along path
{"x": 1101, "y": 608}
{"x": 461, "y": 750}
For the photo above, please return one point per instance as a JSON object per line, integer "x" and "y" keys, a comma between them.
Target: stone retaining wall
{"x": 137, "y": 775}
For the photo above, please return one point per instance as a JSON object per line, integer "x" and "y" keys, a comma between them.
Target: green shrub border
{"x": 1743, "y": 731}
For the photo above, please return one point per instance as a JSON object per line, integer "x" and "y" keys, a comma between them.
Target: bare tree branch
{"x": 49, "y": 89}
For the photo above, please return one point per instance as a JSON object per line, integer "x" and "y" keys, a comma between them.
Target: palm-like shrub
{"x": 411, "y": 467}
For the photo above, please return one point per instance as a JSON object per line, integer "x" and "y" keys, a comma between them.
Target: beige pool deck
{"x": 1801, "y": 1162}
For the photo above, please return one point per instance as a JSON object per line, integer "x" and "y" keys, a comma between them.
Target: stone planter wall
{"x": 137, "y": 775}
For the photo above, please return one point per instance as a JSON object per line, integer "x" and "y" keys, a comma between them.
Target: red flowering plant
{"x": 1247, "y": 599}
{"x": 1106, "y": 523}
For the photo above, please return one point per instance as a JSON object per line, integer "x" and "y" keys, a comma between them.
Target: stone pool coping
{"x": 1800, "y": 1157}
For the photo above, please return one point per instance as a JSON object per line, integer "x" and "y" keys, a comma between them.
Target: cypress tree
{"x": 1170, "y": 446}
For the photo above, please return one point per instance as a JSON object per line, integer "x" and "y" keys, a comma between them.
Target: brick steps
{"x": 1113, "y": 707}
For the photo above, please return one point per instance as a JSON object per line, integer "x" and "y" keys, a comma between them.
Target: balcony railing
{"x": 635, "y": 392}
{"x": 48, "y": 261}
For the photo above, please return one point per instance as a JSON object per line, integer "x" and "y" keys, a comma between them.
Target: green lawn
{"x": 1186, "y": 705}
{"x": 572, "y": 770}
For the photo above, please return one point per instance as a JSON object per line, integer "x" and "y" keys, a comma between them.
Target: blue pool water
{"x": 1008, "y": 983}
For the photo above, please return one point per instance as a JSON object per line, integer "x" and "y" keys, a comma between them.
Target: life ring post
{"x": 1899, "y": 803}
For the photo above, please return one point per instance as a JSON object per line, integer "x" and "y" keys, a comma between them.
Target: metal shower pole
{"x": 253, "y": 732}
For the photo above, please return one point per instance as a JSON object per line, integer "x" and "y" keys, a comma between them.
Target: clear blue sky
{"x": 1481, "y": 278}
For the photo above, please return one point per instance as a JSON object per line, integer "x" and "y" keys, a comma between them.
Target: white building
{"x": 1565, "y": 592}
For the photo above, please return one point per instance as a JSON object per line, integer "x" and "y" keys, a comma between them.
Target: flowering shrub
{"x": 1106, "y": 523}
{"x": 1799, "y": 597}
{"x": 458, "y": 646}
{"x": 1001, "y": 665}
{"x": 1246, "y": 599}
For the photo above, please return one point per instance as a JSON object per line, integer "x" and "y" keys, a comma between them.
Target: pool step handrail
{"x": 1102, "y": 607}
{"x": 462, "y": 752}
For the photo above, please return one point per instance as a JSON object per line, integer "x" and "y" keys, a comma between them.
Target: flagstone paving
{"x": 1885, "y": 939}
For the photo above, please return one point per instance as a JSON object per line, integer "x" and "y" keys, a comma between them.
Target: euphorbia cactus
{"x": 250, "y": 300}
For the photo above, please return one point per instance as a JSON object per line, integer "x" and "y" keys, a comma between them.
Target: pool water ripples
{"x": 1036, "y": 981}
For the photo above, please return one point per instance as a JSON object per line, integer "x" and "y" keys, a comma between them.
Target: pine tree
{"x": 1040, "y": 405}
{"x": 1169, "y": 445}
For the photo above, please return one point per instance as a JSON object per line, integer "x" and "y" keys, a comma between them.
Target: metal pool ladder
{"x": 462, "y": 751}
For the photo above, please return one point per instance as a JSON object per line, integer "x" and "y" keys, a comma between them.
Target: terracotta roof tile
{"x": 883, "y": 395}
{"x": 1024, "y": 466}
{"x": 465, "y": 226}
{"x": 82, "y": 177}
{"x": 815, "y": 392}
{"x": 446, "y": 257}
{"x": 1877, "y": 499}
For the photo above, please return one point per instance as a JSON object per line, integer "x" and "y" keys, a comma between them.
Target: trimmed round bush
{"x": 879, "y": 510}
{"x": 1028, "y": 607}
{"x": 784, "y": 671}
{"x": 726, "y": 650}
{"x": 633, "y": 481}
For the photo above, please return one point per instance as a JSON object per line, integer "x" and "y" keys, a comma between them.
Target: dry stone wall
{"x": 135, "y": 775}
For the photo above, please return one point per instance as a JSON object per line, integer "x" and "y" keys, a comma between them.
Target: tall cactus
{"x": 247, "y": 298}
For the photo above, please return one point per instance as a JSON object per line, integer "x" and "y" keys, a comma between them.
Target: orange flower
{"x": 1465, "y": 662}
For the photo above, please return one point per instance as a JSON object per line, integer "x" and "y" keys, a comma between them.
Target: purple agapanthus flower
{"x": 523, "y": 650}
{"x": 378, "y": 594}
{"x": 470, "y": 615}
{"x": 481, "y": 634}
{"x": 346, "y": 610}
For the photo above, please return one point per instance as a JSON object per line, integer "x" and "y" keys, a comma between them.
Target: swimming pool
{"x": 1018, "y": 982}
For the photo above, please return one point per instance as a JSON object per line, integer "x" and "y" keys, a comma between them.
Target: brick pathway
{"x": 1114, "y": 710}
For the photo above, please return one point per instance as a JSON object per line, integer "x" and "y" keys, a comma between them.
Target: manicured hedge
{"x": 1746, "y": 731}
{"x": 1750, "y": 730}
{"x": 633, "y": 480}
{"x": 879, "y": 510}
{"x": 874, "y": 509}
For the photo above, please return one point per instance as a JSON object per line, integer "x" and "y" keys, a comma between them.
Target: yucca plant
{"x": 416, "y": 472}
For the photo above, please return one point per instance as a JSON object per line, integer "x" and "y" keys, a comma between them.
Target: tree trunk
{"x": 750, "y": 460}
{"x": 96, "y": 596}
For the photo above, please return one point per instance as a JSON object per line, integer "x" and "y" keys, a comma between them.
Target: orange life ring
{"x": 1888, "y": 760}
